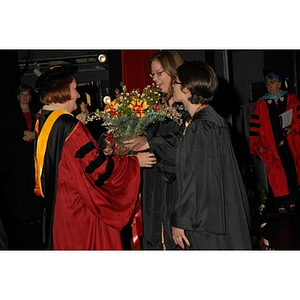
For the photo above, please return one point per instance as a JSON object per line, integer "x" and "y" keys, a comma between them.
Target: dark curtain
{"x": 9, "y": 81}
{"x": 135, "y": 68}
{"x": 9, "y": 77}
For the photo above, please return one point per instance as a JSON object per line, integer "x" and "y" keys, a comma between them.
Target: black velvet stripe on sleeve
{"x": 81, "y": 153}
{"x": 109, "y": 169}
{"x": 256, "y": 125}
{"x": 95, "y": 163}
{"x": 253, "y": 133}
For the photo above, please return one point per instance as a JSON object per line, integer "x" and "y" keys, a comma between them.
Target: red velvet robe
{"x": 261, "y": 135}
{"x": 89, "y": 216}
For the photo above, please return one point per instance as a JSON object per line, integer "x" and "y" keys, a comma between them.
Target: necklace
{"x": 196, "y": 111}
{"x": 191, "y": 119}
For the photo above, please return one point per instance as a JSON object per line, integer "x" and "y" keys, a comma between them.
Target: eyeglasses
{"x": 176, "y": 82}
{"x": 158, "y": 74}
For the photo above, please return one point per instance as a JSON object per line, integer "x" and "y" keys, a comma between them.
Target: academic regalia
{"x": 89, "y": 196}
{"x": 159, "y": 185}
{"x": 212, "y": 205}
{"x": 282, "y": 155}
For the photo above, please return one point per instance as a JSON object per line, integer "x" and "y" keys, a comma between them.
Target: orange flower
{"x": 137, "y": 106}
{"x": 111, "y": 108}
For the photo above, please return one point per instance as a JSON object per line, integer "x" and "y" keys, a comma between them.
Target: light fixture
{"x": 36, "y": 70}
{"x": 107, "y": 99}
{"x": 102, "y": 58}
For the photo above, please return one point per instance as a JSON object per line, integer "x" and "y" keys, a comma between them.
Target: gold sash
{"x": 41, "y": 146}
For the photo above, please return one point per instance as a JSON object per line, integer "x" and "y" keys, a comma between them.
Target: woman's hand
{"x": 138, "y": 143}
{"x": 179, "y": 237}
{"x": 108, "y": 150}
{"x": 106, "y": 144}
{"x": 146, "y": 159}
{"x": 28, "y": 136}
{"x": 288, "y": 130}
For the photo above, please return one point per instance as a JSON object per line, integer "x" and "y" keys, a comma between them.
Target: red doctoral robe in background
{"x": 261, "y": 135}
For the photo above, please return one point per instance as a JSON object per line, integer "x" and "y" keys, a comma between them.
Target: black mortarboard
{"x": 274, "y": 74}
{"x": 55, "y": 74}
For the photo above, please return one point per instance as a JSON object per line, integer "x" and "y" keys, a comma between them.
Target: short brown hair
{"x": 58, "y": 92}
{"x": 200, "y": 79}
{"x": 23, "y": 88}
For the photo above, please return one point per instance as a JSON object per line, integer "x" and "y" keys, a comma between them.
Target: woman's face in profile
{"x": 180, "y": 94}
{"x": 160, "y": 77}
{"x": 74, "y": 95}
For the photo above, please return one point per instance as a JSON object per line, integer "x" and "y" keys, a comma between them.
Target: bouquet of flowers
{"x": 130, "y": 113}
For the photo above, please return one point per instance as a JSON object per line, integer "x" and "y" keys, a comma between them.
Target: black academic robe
{"x": 159, "y": 185}
{"x": 19, "y": 163}
{"x": 212, "y": 205}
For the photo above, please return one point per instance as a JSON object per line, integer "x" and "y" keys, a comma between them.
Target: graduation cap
{"x": 54, "y": 75}
{"x": 273, "y": 74}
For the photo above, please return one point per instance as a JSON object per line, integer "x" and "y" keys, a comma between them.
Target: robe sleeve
{"x": 295, "y": 106}
{"x": 163, "y": 139}
{"x": 108, "y": 186}
{"x": 294, "y": 136}
{"x": 256, "y": 133}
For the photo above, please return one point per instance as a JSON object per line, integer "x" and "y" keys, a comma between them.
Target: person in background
{"x": 23, "y": 208}
{"x": 82, "y": 111}
{"x": 159, "y": 189}
{"x": 98, "y": 131}
{"x": 24, "y": 98}
{"x": 211, "y": 210}
{"x": 89, "y": 196}
{"x": 275, "y": 139}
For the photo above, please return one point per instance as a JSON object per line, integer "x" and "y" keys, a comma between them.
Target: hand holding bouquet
{"x": 130, "y": 113}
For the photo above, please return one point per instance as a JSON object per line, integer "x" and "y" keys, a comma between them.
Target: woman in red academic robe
{"x": 89, "y": 196}
{"x": 276, "y": 145}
